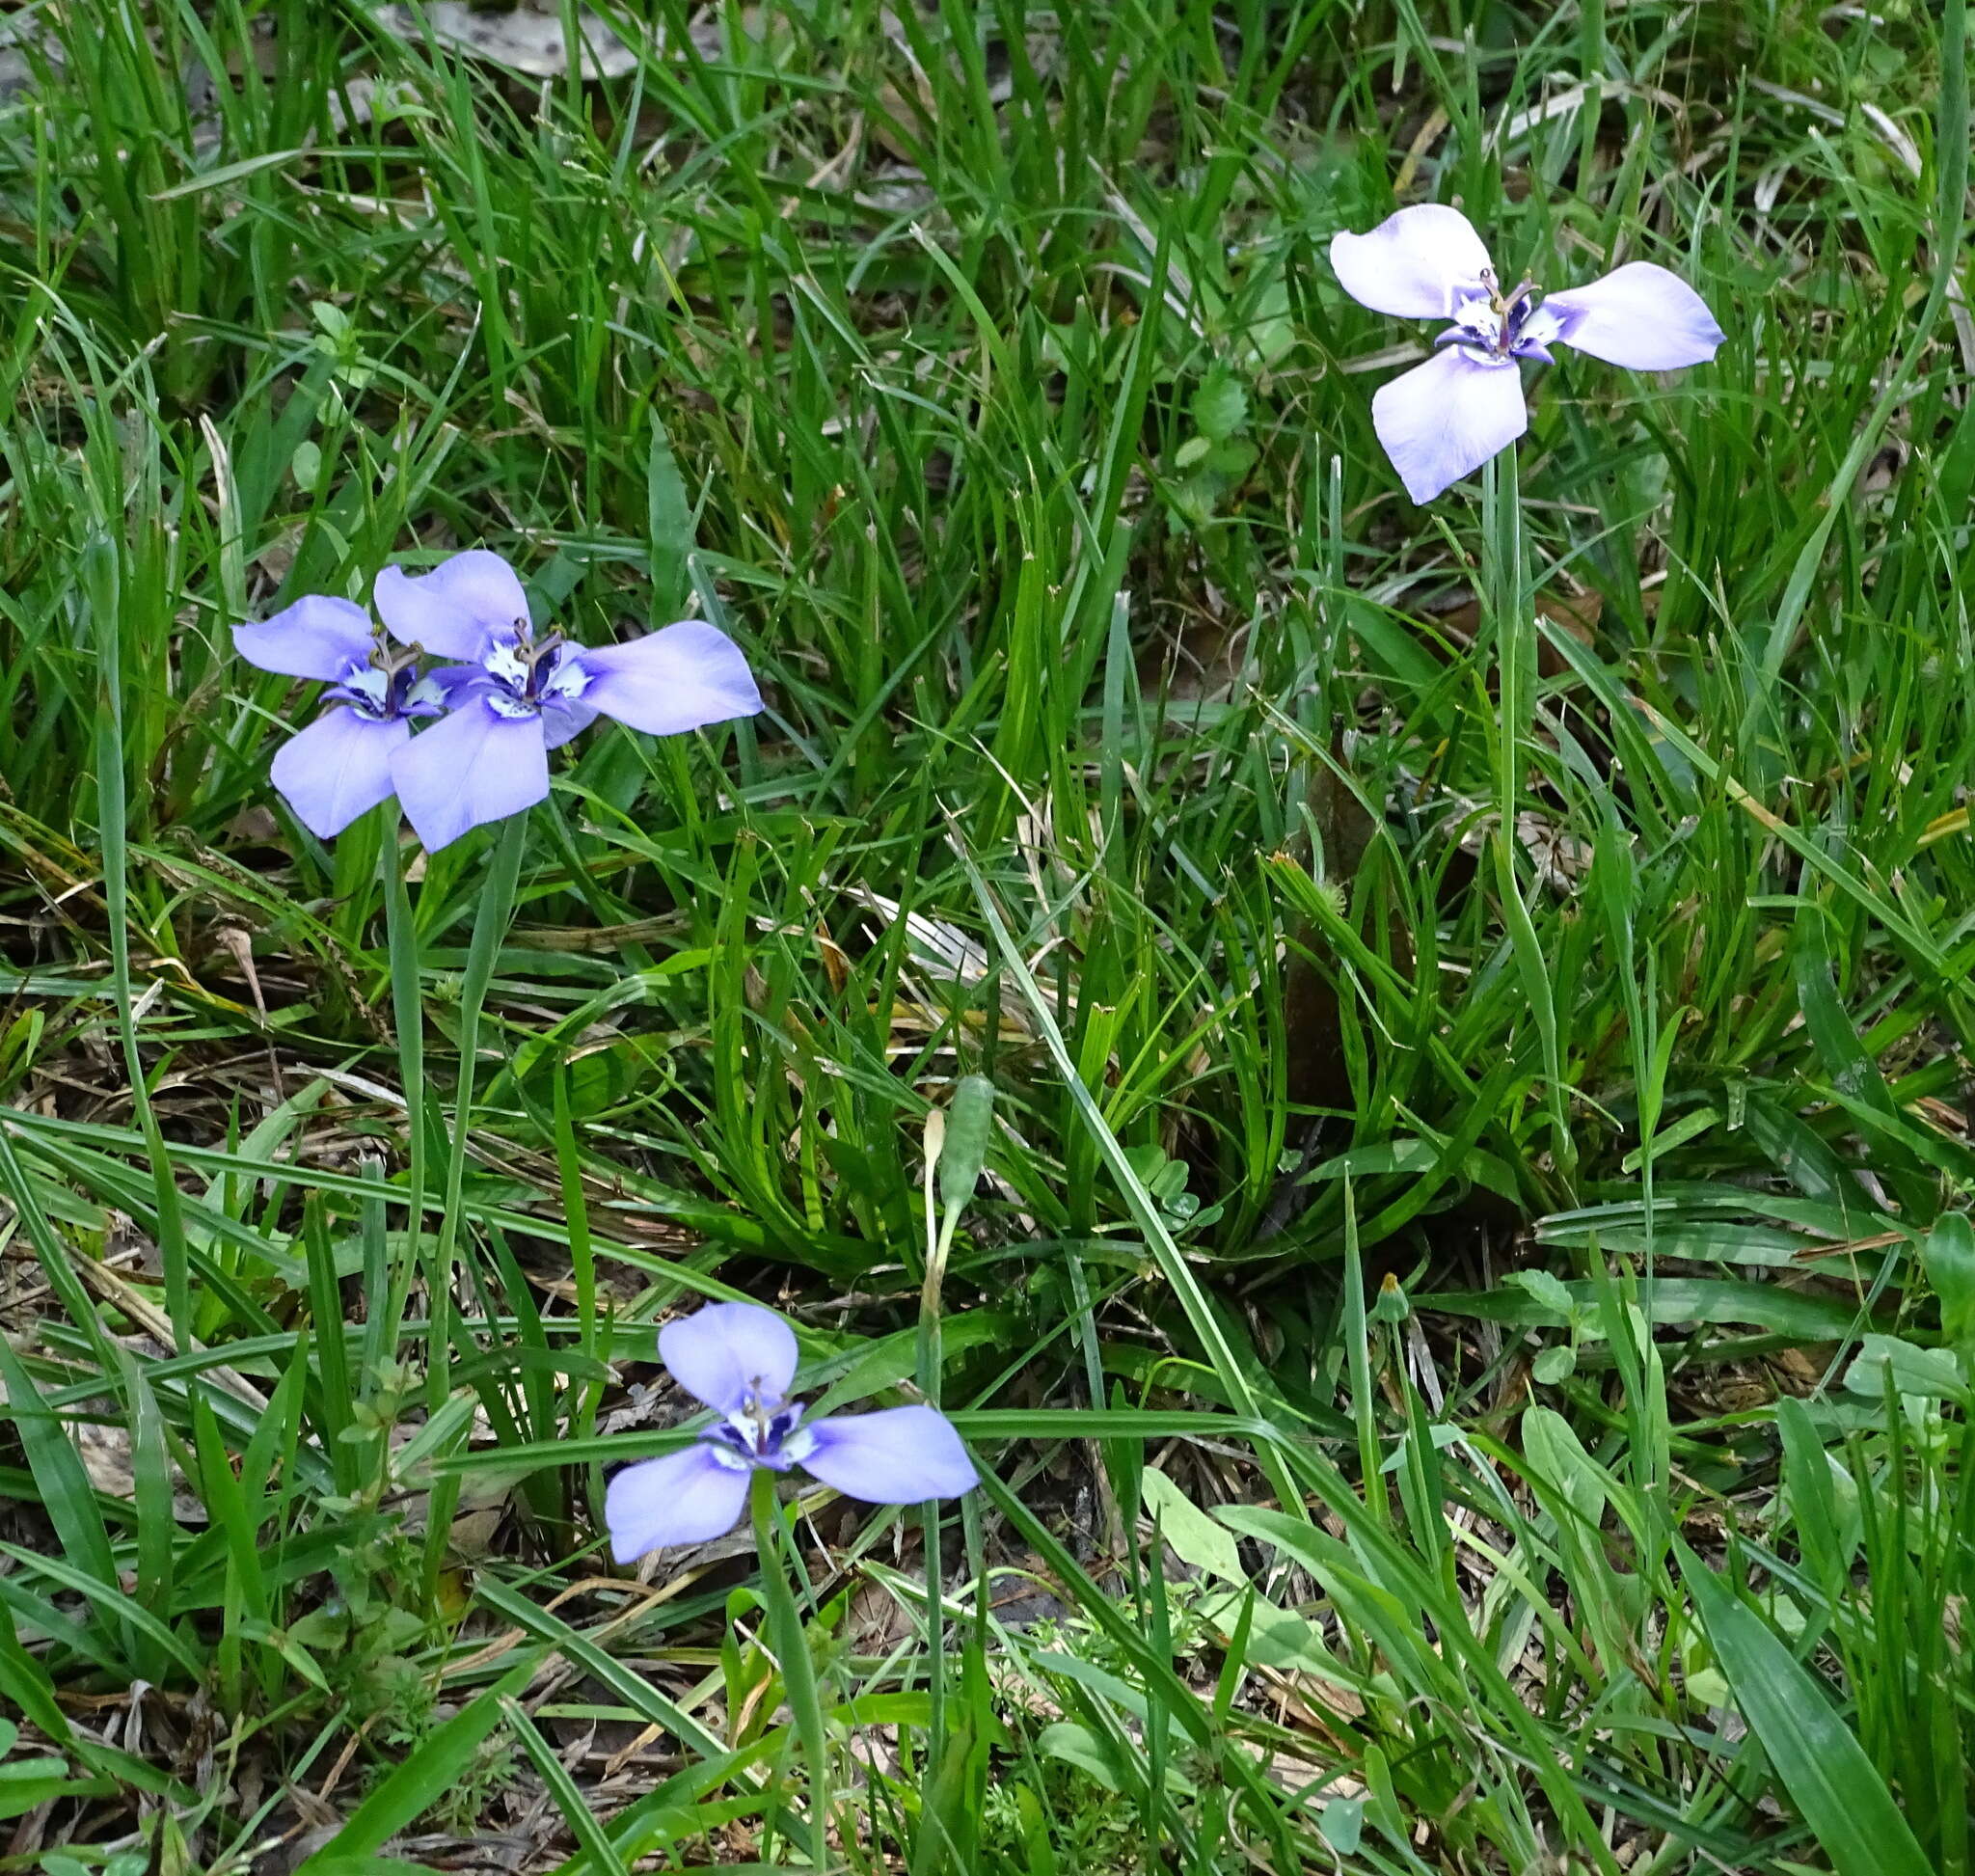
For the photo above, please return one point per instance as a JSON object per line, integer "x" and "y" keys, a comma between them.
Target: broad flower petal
{"x": 338, "y": 767}
{"x": 678, "y": 678}
{"x": 316, "y": 636}
{"x": 683, "y": 1498}
{"x": 469, "y": 768}
{"x": 1446, "y": 418}
{"x": 725, "y": 1352}
{"x": 454, "y": 610}
{"x": 898, "y": 1456}
{"x": 1410, "y": 264}
{"x": 1638, "y": 315}
{"x": 562, "y": 721}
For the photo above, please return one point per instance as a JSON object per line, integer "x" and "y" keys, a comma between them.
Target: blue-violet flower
{"x": 340, "y": 765}
{"x": 1446, "y": 418}
{"x": 739, "y": 1359}
{"x": 516, "y": 695}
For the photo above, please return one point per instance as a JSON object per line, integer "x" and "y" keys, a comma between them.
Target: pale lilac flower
{"x": 340, "y": 765}
{"x": 1444, "y": 417}
{"x": 739, "y": 1360}
{"x": 514, "y": 696}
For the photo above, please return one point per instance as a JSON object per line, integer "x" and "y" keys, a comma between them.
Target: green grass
{"x": 1474, "y": 1379}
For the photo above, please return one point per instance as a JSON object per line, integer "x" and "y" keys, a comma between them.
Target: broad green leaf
{"x": 1673, "y": 1299}
{"x": 25, "y": 1685}
{"x": 1342, "y": 1821}
{"x": 1949, "y": 1256}
{"x": 1077, "y": 1745}
{"x": 1560, "y": 1456}
{"x": 1220, "y": 406}
{"x": 1823, "y": 1498}
{"x": 1931, "y": 1371}
{"x": 1555, "y": 1365}
{"x": 1819, "y": 1763}
{"x": 969, "y": 1130}
{"x": 1194, "y": 1536}
{"x": 1548, "y": 1288}
{"x": 669, "y": 523}
{"x": 1277, "y": 1637}
{"x": 66, "y": 1495}
{"x": 26, "y": 1787}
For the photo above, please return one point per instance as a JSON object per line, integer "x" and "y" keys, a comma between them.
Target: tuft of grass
{"x": 1473, "y": 1378}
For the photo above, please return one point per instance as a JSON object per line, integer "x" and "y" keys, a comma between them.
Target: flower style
{"x": 340, "y": 765}
{"x": 1446, "y": 418}
{"x": 514, "y": 696}
{"x": 739, "y": 1360}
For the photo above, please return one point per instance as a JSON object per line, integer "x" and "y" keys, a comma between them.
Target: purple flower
{"x": 340, "y": 765}
{"x": 1444, "y": 417}
{"x": 516, "y": 695}
{"x": 739, "y": 1360}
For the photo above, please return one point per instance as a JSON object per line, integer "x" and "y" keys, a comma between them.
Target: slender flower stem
{"x": 957, "y": 1143}
{"x": 791, "y": 1646}
{"x": 584, "y": 1395}
{"x": 1507, "y": 606}
{"x": 407, "y": 1022}
{"x": 938, "y": 1243}
{"x": 490, "y": 927}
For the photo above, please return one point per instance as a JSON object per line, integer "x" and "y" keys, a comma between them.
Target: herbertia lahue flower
{"x": 514, "y": 694}
{"x": 340, "y": 765}
{"x": 1446, "y": 418}
{"x": 739, "y": 1359}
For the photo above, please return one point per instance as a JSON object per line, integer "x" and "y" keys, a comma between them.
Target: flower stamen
{"x": 530, "y": 673}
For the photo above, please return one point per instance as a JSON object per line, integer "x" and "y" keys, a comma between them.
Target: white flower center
{"x": 527, "y": 675}
{"x": 799, "y": 1445}
{"x": 568, "y": 679}
{"x": 370, "y": 684}
{"x": 505, "y": 704}
{"x": 1477, "y": 315}
{"x": 503, "y": 662}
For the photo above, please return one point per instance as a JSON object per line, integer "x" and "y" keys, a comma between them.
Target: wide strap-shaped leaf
{"x": 1819, "y": 1761}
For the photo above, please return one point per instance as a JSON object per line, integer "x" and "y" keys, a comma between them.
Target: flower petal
{"x": 469, "y": 768}
{"x": 671, "y": 680}
{"x": 562, "y": 721}
{"x": 1638, "y": 315}
{"x": 1410, "y": 264}
{"x": 1444, "y": 417}
{"x": 316, "y": 636}
{"x": 1540, "y": 327}
{"x": 683, "y": 1498}
{"x": 898, "y": 1456}
{"x": 723, "y": 1352}
{"x": 454, "y": 610}
{"x": 336, "y": 769}
{"x": 455, "y": 684}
